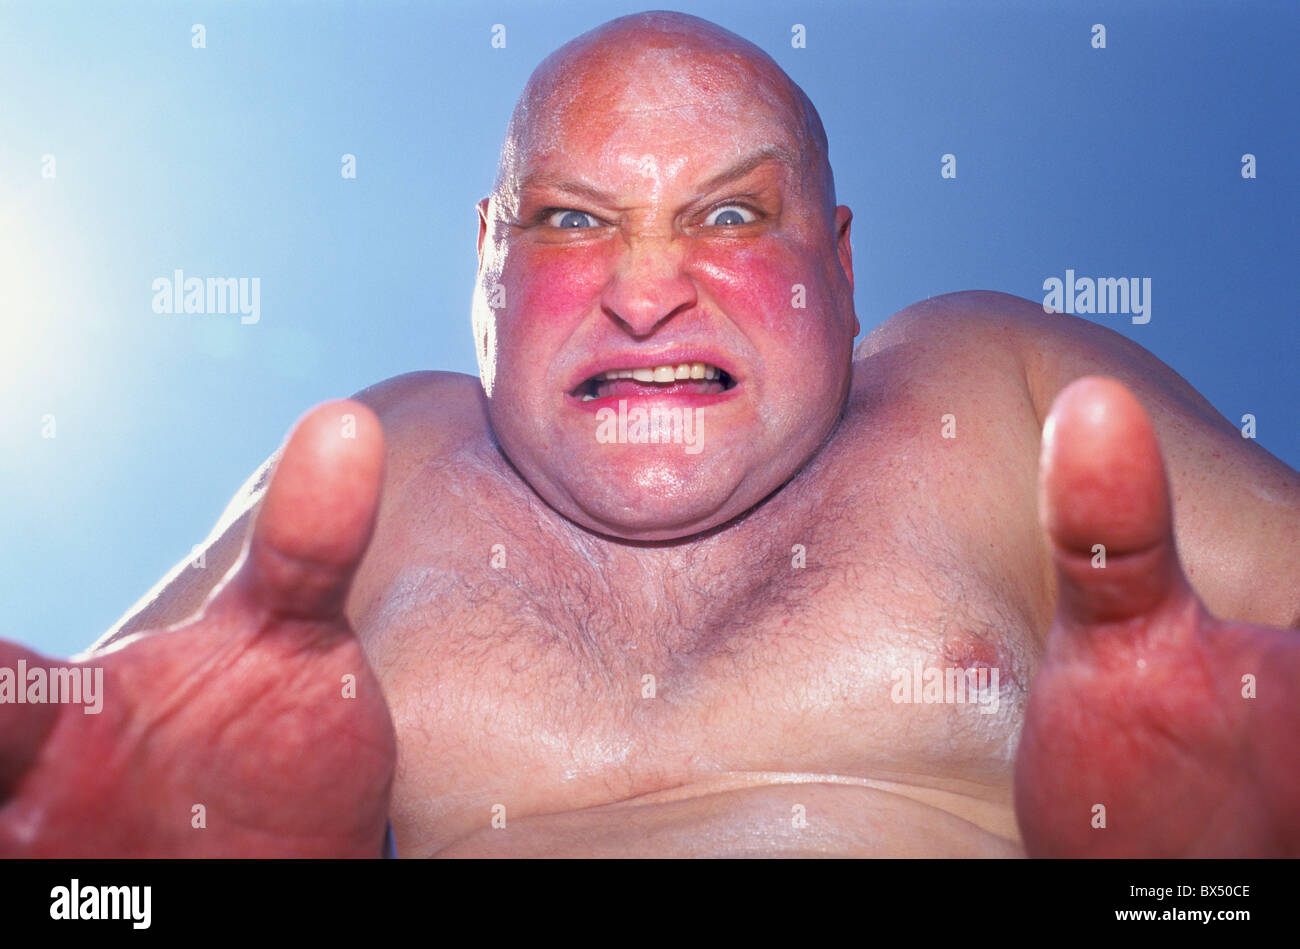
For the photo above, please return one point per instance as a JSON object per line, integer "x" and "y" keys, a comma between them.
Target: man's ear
{"x": 482, "y": 227}
{"x": 844, "y": 250}
{"x": 843, "y": 247}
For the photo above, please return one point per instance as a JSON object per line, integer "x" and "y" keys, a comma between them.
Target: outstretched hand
{"x": 1153, "y": 729}
{"x": 253, "y": 729}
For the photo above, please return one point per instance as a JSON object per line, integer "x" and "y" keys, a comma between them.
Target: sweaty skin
{"x": 628, "y": 649}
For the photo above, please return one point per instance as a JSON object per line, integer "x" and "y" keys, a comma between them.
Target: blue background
{"x": 225, "y": 161}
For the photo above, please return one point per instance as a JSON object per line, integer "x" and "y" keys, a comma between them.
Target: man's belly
{"x": 763, "y": 815}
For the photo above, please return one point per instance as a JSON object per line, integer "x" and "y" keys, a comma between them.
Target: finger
{"x": 317, "y": 515}
{"x": 23, "y": 726}
{"x": 1104, "y": 500}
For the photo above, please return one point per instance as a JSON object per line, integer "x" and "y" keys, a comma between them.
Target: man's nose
{"x": 649, "y": 285}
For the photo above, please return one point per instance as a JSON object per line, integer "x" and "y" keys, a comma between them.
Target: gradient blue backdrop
{"x": 225, "y": 161}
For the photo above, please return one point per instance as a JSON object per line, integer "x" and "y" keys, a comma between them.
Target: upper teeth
{"x": 686, "y": 370}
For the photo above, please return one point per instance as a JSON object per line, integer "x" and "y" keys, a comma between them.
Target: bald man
{"x": 683, "y": 573}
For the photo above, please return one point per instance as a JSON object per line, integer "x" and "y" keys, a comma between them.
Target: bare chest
{"x": 541, "y": 672}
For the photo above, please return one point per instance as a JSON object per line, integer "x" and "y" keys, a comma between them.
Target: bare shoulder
{"x": 953, "y": 319}
{"x": 428, "y": 399}
{"x": 942, "y": 419}
{"x": 439, "y": 455}
{"x": 427, "y": 414}
{"x": 1236, "y": 506}
{"x": 998, "y": 331}
{"x": 424, "y": 414}
{"x": 971, "y": 345}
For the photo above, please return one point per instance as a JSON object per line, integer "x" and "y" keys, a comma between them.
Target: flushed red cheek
{"x": 762, "y": 287}
{"x": 554, "y": 288}
{"x": 759, "y": 286}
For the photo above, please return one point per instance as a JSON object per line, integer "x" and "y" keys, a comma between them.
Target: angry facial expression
{"x": 661, "y": 239}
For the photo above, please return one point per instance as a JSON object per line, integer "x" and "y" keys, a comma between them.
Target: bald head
{"x": 663, "y": 199}
{"x": 658, "y": 60}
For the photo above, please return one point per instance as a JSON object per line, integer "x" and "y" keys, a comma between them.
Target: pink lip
{"x": 635, "y": 359}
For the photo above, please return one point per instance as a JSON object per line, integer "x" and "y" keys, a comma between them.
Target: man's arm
{"x": 183, "y": 590}
{"x": 1236, "y": 507}
{"x": 240, "y": 708}
{"x": 428, "y": 408}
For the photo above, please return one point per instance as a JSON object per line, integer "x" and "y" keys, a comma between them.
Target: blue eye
{"x": 571, "y": 219}
{"x": 730, "y": 216}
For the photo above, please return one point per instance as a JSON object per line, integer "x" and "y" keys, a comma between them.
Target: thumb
{"x": 317, "y": 515}
{"x": 1104, "y": 500}
{"x": 24, "y": 726}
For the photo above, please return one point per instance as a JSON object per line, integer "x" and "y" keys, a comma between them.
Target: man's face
{"x": 659, "y": 215}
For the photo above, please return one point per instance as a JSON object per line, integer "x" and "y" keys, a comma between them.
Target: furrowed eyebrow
{"x": 578, "y": 188}
{"x": 747, "y": 164}
{"x": 732, "y": 173}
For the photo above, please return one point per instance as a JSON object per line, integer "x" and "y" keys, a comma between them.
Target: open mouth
{"x": 694, "y": 378}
